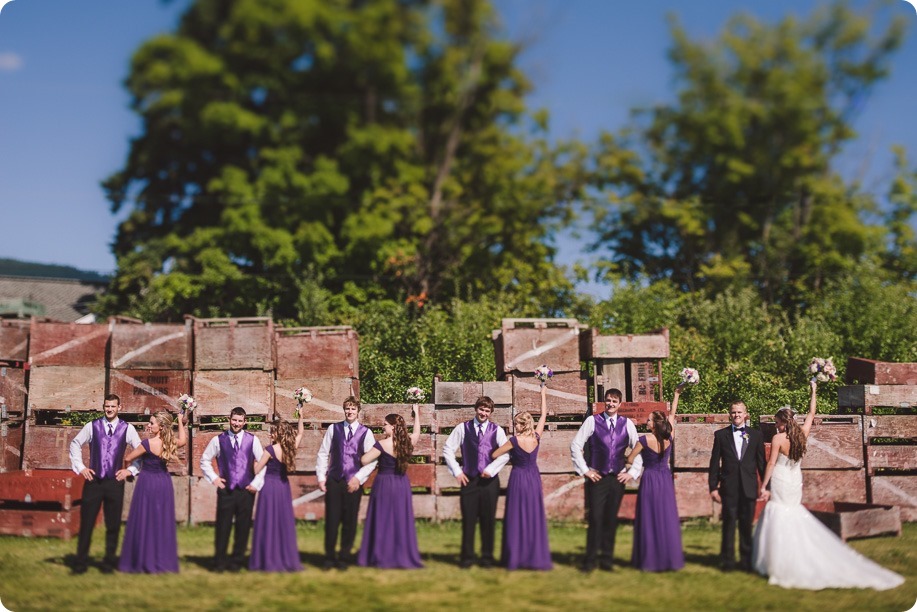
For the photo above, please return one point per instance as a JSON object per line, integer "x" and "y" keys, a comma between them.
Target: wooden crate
{"x": 68, "y": 344}
{"x": 200, "y": 438}
{"x": 67, "y": 388}
{"x": 639, "y": 380}
{"x": 835, "y": 442}
{"x": 694, "y": 439}
{"x": 149, "y": 391}
{"x": 566, "y": 396}
{"x": 11, "y": 434}
{"x": 522, "y": 345}
{"x": 151, "y": 346}
{"x": 420, "y": 475}
{"x": 328, "y": 395}
{"x": 48, "y": 447}
{"x": 33, "y": 521}
{"x": 446, "y": 419}
{"x": 564, "y": 497}
{"x": 13, "y": 392}
{"x": 654, "y": 345}
{"x": 865, "y": 398}
{"x": 903, "y": 427}
{"x": 554, "y": 450}
{"x": 638, "y": 412}
{"x": 373, "y": 415}
{"x": 308, "y": 499}
{"x": 870, "y": 372}
{"x": 234, "y": 344}
{"x": 886, "y": 458}
{"x": 317, "y": 352}
{"x": 219, "y": 391}
{"x": 448, "y": 508}
{"x": 692, "y": 495}
{"x": 14, "y": 340}
{"x": 202, "y": 501}
{"x": 181, "y": 491}
{"x": 851, "y": 521}
{"x": 826, "y": 486}
{"x": 467, "y": 393}
{"x": 61, "y": 487}
{"x": 897, "y": 490}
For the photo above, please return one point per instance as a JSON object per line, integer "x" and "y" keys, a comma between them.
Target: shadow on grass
{"x": 208, "y": 563}
{"x": 708, "y": 559}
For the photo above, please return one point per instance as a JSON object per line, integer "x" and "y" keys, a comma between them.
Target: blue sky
{"x": 65, "y": 123}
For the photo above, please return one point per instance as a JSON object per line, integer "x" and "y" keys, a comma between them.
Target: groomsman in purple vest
{"x": 341, "y": 476}
{"x": 236, "y": 452}
{"x": 609, "y": 436}
{"x": 477, "y": 476}
{"x": 108, "y": 438}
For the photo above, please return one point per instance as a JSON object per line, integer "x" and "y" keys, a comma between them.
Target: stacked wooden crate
{"x": 885, "y": 395}
{"x": 149, "y": 368}
{"x": 233, "y": 366}
{"x": 14, "y": 353}
{"x": 453, "y": 405}
{"x": 40, "y": 503}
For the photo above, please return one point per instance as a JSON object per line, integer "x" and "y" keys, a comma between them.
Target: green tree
{"x": 297, "y": 155}
{"x": 733, "y": 183}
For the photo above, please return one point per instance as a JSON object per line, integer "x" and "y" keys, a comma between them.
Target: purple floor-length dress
{"x": 274, "y": 535}
{"x": 389, "y": 534}
{"x": 525, "y": 526}
{"x": 150, "y": 542}
{"x": 657, "y": 530}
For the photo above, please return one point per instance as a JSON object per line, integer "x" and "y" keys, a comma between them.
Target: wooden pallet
{"x": 566, "y": 395}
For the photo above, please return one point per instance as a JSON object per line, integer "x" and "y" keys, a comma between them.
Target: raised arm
{"x": 674, "y": 409}
{"x": 539, "y": 428}
{"x": 299, "y": 431}
{"x": 415, "y": 434}
{"x": 182, "y": 432}
{"x": 813, "y": 404}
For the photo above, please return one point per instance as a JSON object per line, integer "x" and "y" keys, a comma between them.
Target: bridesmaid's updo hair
{"x": 401, "y": 442}
{"x": 282, "y": 433}
{"x": 169, "y": 447}
{"x": 525, "y": 424}
{"x": 794, "y": 433}
{"x": 662, "y": 429}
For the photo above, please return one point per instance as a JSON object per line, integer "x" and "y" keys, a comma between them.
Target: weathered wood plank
{"x": 149, "y": 391}
{"x": 317, "y": 352}
{"x": 564, "y": 497}
{"x": 822, "y": 486}
{"x": 566, "y": 396}
{"x": 692, "y": 495}
{"x": 867, "y": 397}
{"x": 151, "y": 346}
{"x": 31, "y": 523}
{"x": 896, "y": 490}
{"x": 903, "y": 427}
{"x": 328, "y": 395}
{"x": 219, "y": 391}
{"x": 13, "y": 391}
{"x": 891, "y": 457}
{"x": 373, "y": 415}
{"x": 68, "y": 344}
{"x": 835, "y": 442}
{"x": 11, "y": 436}
{"x": 449, "y": 418}
{"x": 554, "y": 451}
{"x": 870, "y": 372}
{"x": 308, "y": 498}
{"x": 42, "y": 486}
{"x": 67, "y": 388}
{"x": 48, "y": 447}
{"x": 14, "y": 340}
{"x": 525, "y": 349}
{"x": 180, "y": 489}
{"x": 850, "y": 521}
{"x": 234, "y": 344}
{"x": 632, "y": 346}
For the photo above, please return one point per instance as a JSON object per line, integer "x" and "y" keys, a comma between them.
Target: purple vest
{"x": 476, "y": 453}
{"x": 609, "y": 445}
{"x": 237, "y": 466}
{"x": 106, "y": 451}
{"x": 346, "y": 454}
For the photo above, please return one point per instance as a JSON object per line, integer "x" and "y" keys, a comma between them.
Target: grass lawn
{"x": 34, "y": 576}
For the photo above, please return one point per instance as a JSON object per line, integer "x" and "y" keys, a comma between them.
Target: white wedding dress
{"x": 796, "y": 551}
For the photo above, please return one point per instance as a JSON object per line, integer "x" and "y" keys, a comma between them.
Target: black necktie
{"x": 110, "y": 429}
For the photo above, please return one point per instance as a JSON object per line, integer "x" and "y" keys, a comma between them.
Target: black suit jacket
{"x": 733, "y": 477}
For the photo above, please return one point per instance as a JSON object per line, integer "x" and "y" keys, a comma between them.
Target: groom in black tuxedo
{"x": 735, "y": 464}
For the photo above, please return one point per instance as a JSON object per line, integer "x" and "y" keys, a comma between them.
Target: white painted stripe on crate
{"x": 305, "y": 499}
{"x": 831, "y": 451}
{"x": 19, "y": 347}
{"x": 898, "y": 491}
{"x": 547, "y": 346}
{"x": 144, "y": 387}
{"x": 146, "y": 347}
{"x": 228, "y": 392}
{"x": 551, "y": 392}
{"x": 66, "y": 346}
{"x": 14, "y": 450}
{"x": 579, "y": 482}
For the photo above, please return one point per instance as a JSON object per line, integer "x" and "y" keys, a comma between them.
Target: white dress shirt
{"x": 585, "y": 432}
{"x": 324, "y": 454}
{"x": 737, "y": 440}
{"x": 457, "y": 437}
{"x": 213, "y": 450}
{"x": 85, "y": 437}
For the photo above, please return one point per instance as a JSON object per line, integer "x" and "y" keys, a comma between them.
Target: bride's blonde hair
{"x": 794, "y": 433}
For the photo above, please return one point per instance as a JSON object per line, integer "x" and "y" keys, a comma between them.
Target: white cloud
{"x": 10, "y": 62}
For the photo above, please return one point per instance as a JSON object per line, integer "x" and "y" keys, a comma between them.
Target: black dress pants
{"x": 342, "y": 509}
{"x": 603, "y": 499}
{"x": 478, "y": 503}
{"x": 233, "y": 507}
{"x": 106, "y": 494}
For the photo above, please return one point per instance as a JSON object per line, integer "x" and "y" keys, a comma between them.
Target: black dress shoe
{"x": 728, "y": 567}
{"x": 466, "y": 563}
{"x": 606, "y": 566}
{"x": 328, "y": 565}
{"x": 79, "y": 569}
{"x": 587, "y": 568}
{"x": 486, "y": 563}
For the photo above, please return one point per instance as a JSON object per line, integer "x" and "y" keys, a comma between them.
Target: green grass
{"x": 34, "y": 576}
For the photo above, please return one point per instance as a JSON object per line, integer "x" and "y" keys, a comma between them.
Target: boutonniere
{"x": 745, "y": 436}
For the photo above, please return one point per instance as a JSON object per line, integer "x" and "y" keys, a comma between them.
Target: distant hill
{"x": 14, "y": 267}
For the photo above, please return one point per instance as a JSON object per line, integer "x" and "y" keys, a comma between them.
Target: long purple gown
{"x": 150, "y": 542}
{"x": 657, "y": 530}
{"x": 274, "y": 535}
{"x": 389, "y": 534}
{"x": 525, "y": 526}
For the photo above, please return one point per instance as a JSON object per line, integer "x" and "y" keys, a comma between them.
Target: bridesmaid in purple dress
{"x": 657, "y": 529}
{"x": 389, "y": 533}
{"x": 525, "y": 526}
{"x": 274, "y": 537}
{"x": 150, "y": 541}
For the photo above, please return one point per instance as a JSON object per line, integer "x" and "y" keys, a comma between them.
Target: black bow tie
{"x": 742, "y": 429}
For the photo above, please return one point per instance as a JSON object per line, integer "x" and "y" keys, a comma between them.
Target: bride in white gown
{"x": 792, "y": 547}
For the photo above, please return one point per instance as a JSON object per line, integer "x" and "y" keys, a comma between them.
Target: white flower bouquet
{"x": 543, "y": 374}
{"x": 690, "y": 376}
{"x": 186, "y": 403}
{"x": 302, "y": 396}
{"x": 822, "y": 370}
{"x": 415, "y": 395}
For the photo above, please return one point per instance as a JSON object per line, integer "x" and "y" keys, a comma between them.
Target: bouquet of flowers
{"x": 690, "y": 376}
{"x": 543, "y": 374}
{"x": 822, "y": 370}
{"x": 415, "y": 395}
{"x": 302, "y": 396}
{"x": 186, "y": 403}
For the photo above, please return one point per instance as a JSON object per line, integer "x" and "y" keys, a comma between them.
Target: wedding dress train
{"x": 795, "y": 550}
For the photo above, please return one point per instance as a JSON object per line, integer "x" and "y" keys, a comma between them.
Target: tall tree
{"x": 733, "y": 182}
{"x": 299, "y": 152}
